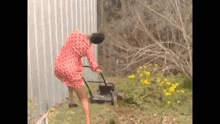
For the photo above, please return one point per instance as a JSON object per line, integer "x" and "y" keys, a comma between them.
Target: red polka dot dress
{"x": 69, "y": 62}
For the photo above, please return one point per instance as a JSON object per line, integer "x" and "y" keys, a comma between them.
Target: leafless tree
{"x": 148, "y": 31}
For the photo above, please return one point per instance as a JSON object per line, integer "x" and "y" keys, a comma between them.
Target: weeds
{"x": 32, "y": 111}
{"x": 163, "y": 89}
{"x": 142, "y": 104}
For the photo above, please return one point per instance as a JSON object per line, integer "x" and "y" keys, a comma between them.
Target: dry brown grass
{"x": 148, "y": 31}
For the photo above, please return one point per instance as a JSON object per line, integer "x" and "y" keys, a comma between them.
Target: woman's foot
{"x": 73, "y": 105}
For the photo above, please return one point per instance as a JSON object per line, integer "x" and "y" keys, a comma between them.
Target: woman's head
{"x": 97, "y": 38}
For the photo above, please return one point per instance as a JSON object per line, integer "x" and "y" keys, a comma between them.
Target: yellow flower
{"x": 173, "y": 85}
{"x": 158, "y": 79}
{"x": 146, "y": 82}
{"x": 168, "y": 102}
{"x": 164, "y": 90}
{"x": 172, "y": 89}
{"x": 168, "y": 83}
{"x": 161, "y": 83}
{"x": 167, "y": 94}
{"x": 182, "y": 90}
{"x": 177, "y": 83}
{"x": 131, "y": 76}
{"x": 147, "y": 73}
{"x": 142, "y": 81}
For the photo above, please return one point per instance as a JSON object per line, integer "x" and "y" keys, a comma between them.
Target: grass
{"x": 32, "y": 110}
{"x": 127, "y": 112}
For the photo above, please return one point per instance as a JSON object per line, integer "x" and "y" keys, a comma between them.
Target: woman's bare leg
{"x": 82, "y": 95}
{"x": 70, "y": 89}
{"x": 71, "y": 102}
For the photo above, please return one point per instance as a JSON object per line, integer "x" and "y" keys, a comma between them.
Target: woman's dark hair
{"x": 97, "y": 38}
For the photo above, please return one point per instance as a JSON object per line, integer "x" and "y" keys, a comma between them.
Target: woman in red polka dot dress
{"x": 69, "y": 67}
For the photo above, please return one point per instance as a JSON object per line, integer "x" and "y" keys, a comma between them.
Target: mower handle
{"x": 86, "y": 66}
{"x": 100, "y": 74}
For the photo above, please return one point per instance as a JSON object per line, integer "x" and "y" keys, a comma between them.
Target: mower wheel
{"x": 114, "y": 98}
{"x": 90, "y": 100}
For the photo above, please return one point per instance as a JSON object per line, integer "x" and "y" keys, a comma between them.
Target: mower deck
{"x": 105, "y": 93}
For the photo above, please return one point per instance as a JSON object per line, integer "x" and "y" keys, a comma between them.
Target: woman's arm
{"x": 91, "y": 58}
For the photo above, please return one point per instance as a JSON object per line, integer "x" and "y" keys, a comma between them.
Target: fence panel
{"x": 49, "y": 23}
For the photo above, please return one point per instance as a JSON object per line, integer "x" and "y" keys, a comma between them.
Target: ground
{"x": 124, "y": 113}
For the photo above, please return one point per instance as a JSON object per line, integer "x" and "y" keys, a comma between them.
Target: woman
{"x": 69, "y": 67}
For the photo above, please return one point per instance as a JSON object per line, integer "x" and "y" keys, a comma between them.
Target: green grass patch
{"x": 140, "y": 105}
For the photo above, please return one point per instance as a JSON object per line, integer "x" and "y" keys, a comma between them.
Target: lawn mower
{"x": 106, "y": 92}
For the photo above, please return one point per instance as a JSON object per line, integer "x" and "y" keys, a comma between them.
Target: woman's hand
{"x": 99, "y": 71}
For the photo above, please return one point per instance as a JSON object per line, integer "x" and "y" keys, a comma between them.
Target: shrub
{"x": 148, "y": 31}
{"x": 149, "y": 85}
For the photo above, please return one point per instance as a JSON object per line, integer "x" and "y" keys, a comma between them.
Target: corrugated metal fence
{"x": 49, "y": 23}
